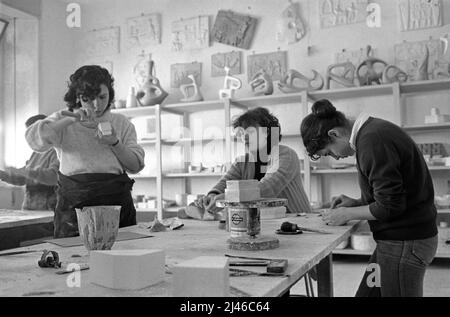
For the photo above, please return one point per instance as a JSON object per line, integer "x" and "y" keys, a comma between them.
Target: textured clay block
{"x": 127, "y": 269}
{"x": 272, "y": 212}
{"x": 205, "y": 276}
{"x": 243, "y": 195}
{"x": 244, "y": 184}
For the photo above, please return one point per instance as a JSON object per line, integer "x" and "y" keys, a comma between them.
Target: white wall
{"x": 58, "y": 53}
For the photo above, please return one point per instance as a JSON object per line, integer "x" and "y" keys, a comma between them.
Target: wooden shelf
{"x": 190, "y": 107}
{"x": 443, "y": 251}
{"x": 426, "y": 127}
{"x": 425, "y": 86}
{"x": 192, "y": 175}
{"x": 443, "y": 211}
{"x": 349, "y": 251}
{"x": 272, "y": 100}
{"x": 143, "y": 176}
{"x": 335, "y": 171}
{"x": 136, "y": 112}
{"x": 354, "y": 171}
{"x": 354, "y": 92}
{"x": 439, "y": 168}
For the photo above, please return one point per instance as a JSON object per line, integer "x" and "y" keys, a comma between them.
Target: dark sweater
{"x": 395, "y": 182}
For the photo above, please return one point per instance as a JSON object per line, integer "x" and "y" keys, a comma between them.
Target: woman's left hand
{"x": 336, "y": 217}
{"x": 108, "y": 139}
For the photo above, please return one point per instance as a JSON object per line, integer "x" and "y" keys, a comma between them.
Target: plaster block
{"x": 243, "y": 184}
{"x": 273, "y": 213}
{"x": 127, "y": 269}
{"x": 205, "y": 276}
{"x": 243, "y": 195}
{"x": 105, "y": 128}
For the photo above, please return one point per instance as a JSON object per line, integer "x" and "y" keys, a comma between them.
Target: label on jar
{"x": 238, "y": 220}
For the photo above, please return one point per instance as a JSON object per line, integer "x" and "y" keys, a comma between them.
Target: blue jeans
{"x": 402, "y": 266}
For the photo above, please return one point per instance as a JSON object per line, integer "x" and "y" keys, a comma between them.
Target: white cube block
{"x": 243, "y": 184}
{"x": 272, "y": 213}
{"x": 243, "y": 195}
{"x": 105, "y": 128}
{"x": 127, "y": 269}
{"x": 205, "y": 276}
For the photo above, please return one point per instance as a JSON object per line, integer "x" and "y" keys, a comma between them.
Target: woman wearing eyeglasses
{"x": 275, "y": 166}
{"x": 397, "y": 195}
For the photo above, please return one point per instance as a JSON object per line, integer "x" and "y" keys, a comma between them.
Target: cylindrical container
{"x": 254, "y": 222}
{"x": 363, "y": 241}
{"x": 238, "y": 220}
{"x": 131, "y": 99}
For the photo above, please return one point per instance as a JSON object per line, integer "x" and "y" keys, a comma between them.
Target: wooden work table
{"x": 18, "y": 226}
{"x": 20, "y": 274}
{"x": 19, "y": 218}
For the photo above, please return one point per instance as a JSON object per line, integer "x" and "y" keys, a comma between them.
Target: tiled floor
{"x": 348, "y": 271}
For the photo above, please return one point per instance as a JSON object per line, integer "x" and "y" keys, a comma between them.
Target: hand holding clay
{"x": 343, "y": 201}
{"x": 107, "y": 138}
{"x": 336, "y": 217}
{"x": 212, "y": 208}
{"x": 82, "y": 115}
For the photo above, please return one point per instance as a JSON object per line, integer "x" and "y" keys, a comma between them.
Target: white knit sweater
{"x": 78, "y": 148}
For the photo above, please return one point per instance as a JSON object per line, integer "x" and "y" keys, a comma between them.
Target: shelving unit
{"x": 186, "y": 109}
{"x": 398, "y": 92}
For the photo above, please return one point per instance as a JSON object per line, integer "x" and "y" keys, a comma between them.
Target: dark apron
{"x": 85, "y": 190}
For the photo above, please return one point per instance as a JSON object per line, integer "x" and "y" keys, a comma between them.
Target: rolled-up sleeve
{"x": 380, "y": 162}
{"x": 129, "y": 139}
{"x": 41, "y": 137}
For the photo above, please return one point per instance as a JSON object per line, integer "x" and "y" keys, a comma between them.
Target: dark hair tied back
{"x": 323, "y": 109}
{"x": 315, "y": 126}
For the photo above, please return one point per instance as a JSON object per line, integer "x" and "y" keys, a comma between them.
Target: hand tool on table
{"x": 239, "y": 272}
{"x": 49, "y": 259}
{"x": 17, "y": 253}
{"x": 292, "y": 227}
{"x": 83, "y": 267}
{"x": 273, "y": 266}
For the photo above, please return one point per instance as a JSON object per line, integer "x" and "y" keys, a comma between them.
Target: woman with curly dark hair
{"x": 275, "y": 166}
{"x": 96, "y": 149}
{"x": 397, "y": 195}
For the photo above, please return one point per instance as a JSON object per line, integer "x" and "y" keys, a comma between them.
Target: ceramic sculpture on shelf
{"x": 231, "y": 84}
{"x": 422, "y": 70}
{"x": 393, "y": 74}
{"x": 150, "y": 92}
{"x": 442, "y": 73}
{"x": 288, "y": 83}
{"x": 262, "y": 83}
{"x": 191, "y": 92}
{"x": 367, "y": 72}
{"x": 131, "y": 99}
{"x": 291, "y": 28}
{"x": 345, "y": 76}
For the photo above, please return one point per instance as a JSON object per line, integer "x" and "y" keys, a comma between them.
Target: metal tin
{"x": 238, "y": 221}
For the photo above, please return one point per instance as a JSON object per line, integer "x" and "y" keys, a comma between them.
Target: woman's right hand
{"x": 208, "y": 203}
{"x": 203, "y": 201}
{"x": 82, "y": 115}
{"x": 344, "y": 201}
